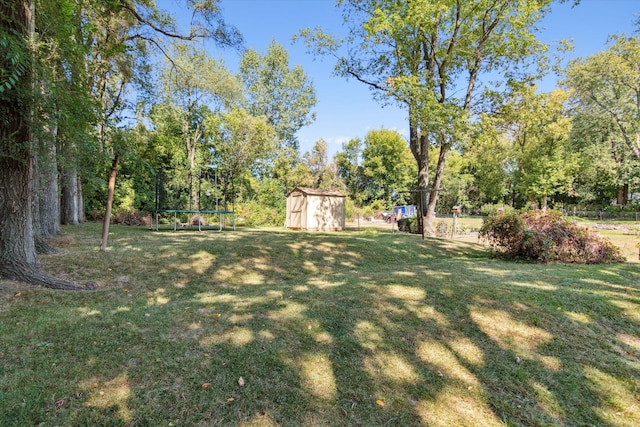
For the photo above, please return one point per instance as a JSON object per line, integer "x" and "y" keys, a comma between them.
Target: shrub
{"x": 630, "y": 207}
{"x": 492, "y": 209}
{"x": 505, "y": 232}
{"x": 132, "y": 217}
{"x": 365, "y": 212}
{"x": 350, "y": 208}
{"x": 378, "y": 205}
{"x": 410, "y": 225}
{"x": 197, "y": 218}
{"x": 253, "y": 214}
{"x": 95, "y": 215}
{"x": 442, "y": 229}
{"x": 546, "y": 237}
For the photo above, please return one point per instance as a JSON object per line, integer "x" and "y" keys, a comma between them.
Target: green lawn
{"x": 271, "y": 327}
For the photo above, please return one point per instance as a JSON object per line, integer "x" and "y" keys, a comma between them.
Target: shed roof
{"x": 317, "y": 192}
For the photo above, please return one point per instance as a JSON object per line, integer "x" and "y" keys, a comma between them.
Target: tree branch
{"x": 155, "y": 43}
{"x": 153, "y": 26}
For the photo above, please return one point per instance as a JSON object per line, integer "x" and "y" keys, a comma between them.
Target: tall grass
{"x": 270, "y": 327}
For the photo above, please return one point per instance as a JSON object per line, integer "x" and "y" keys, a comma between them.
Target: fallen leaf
{"x": 380, "y": 403}
{"x": 206, "y": 355}
{"x": 205, "y": 385}
{"x": 230, "y": 399}
{"x": 18, "y": 294}
{"x": 94, "y": 385}
{"x": 241, "y": 382}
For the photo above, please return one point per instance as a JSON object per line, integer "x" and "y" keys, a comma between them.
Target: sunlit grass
{"x": 353, "y": 328}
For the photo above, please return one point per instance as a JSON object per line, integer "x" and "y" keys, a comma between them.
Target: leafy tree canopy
{"x": 284, "y": 96}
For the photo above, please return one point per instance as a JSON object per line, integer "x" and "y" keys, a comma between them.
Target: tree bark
{"x": 80, "y": 200}
{"x": 191, "y": 144}
{"x": 40, "y": 235}
{"x": 107, "y": 215}
{"x": 18, "y": 258}
{"x": 16, "y": 229}
{"x": 49, "y": 197}
{"x": 419, "y": 146}
{"x": 69, "y": 195}
{"x": 433, "y": 194}
{"x": 623, "y": 195}
{"x": 17, "y": 245}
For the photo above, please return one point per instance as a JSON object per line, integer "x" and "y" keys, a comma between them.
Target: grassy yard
{"x": 270, "y": 327}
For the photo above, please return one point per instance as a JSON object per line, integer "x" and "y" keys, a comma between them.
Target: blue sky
{"x": 346, "y": 109}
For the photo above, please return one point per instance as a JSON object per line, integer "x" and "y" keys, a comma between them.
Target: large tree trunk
{"x": 18, "y": 258}
{"x": 623, "y": 195}
{"x": 49, "y": 196}
{"x": 433, "y": 194}
{"x": 69, "y": 195}
{"x": 45, "y": 198}
{"x": 191, "y": 144}
{"x": 17, "y": 247}
{"x": 40, "y": 235}
{"x": 420, "y": 149}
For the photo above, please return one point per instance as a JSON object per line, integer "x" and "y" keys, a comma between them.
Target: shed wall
{"x": 325, "y": 213}
{"x": 308, "y": 211}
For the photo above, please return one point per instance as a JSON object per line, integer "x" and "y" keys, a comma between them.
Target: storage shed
{"x": 313, "y": 209}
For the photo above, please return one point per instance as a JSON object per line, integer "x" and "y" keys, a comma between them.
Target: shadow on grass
{"x": 324, "y": 329}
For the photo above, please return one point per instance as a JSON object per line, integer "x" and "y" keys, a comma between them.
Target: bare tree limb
{"x": 156, "y": 28}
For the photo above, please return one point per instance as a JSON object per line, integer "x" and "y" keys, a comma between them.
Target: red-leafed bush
{"x": 545, "y": 237}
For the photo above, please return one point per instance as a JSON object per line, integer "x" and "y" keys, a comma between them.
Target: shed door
{"x": 297, "y": 204}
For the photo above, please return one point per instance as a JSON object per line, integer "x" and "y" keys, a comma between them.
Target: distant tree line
{"x": 479, "y": 130}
